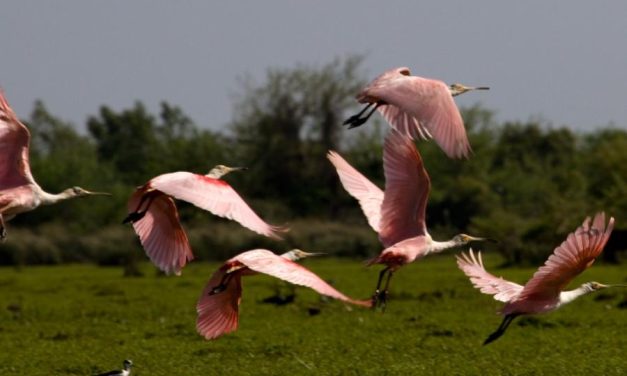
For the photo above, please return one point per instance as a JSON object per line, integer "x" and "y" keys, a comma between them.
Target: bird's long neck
{"x": 569, "y": 296}
{"x": 215, "y": 174}
{"x": 52, "y": 198}
{"x": 436, "y": 246}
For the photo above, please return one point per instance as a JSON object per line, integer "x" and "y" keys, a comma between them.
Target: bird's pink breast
{"x": 529, "y": 306}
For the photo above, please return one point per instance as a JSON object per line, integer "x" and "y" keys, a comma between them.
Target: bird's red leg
{"x": 356, "y": 120}
{"x": 137, "y": 214}
{"x": 222, "y": 285}
{"x": 499, "y": 332}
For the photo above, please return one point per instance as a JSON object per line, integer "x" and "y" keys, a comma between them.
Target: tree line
{"x": 526, "y": 184}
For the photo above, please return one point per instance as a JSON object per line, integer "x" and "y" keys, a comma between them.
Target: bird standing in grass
{"x": 399, "y": 214}
{"x": 126, "y": 371}
{"x": 544, "y": 292}
{"x": 19, "y": 192}
{"x": 218, "y": 306}
{"x": 418, "y": 108}
{"x": 156, "y": 221}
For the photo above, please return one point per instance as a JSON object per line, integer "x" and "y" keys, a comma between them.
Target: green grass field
{"x": 81, "y": 320}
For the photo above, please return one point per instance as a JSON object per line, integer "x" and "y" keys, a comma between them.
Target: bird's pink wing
{"x": 487, "y": 283}
{"x": 404, "y": 122}
{"x": 264, "y": 261}
{"x": 369, "y": 195}
{"x": 420, "y": 107}
{"x": 216, "y": 196}
{"x": 407, "y": 188}
{"x": 218, "y": 313}
{"x": 161, "y": 234}
{"x": 14, "y": 141}
{"x": 572, "y": 257}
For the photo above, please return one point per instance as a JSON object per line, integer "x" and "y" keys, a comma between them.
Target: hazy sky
{"x": 564, "y": 62}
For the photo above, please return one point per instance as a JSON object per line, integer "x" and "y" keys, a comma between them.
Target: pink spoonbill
{"x": 544, "y": 292}
{"x": 418, "y": 108}
{"x": 218, "y": 306}
{"x": 156, "y": 221}
{"x": 19, "y": 192}
{"x": 398, "y": 214}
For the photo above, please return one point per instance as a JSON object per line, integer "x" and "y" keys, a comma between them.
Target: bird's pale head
{"x": 81, "y": 192}
{"x": 297, "y": 254}
{"x": 221, "y": 170}
{"x": 457, "y": 89}
{"x": 127, "y": 363}
{"x": 594, "y": 286}
{"x": 463, "y": 239}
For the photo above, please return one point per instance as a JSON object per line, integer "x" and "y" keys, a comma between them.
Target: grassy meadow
{"x": 83, "y": 319}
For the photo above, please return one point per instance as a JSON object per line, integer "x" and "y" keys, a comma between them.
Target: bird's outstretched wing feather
{"x": 264, "y": 261}
{"x": 407, "y": 187}
{"x": 216, "y": 196}
{"x": 14, "y": 146}
{"x": 487, "y": 283}
{"x": 218, "y": 313}
{"x": 161, "y": 233}
{"x": 419, "y": 108}
{"x": 573, "y": 256}
{"x": 369, "y": 195}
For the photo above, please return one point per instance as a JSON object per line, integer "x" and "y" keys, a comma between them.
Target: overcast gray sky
{"x": 564, "y": 62}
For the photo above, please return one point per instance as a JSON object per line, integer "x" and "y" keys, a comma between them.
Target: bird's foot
{"x": 218, "y": 289}
{"x": 379, "y": 300}
{"x": 355, "y": 121}
{"x": 3, "y": 233}
{"x": 134, "y": 217}
{"x": 375, "y": 299}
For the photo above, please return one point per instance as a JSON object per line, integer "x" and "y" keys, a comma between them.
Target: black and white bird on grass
{"x": 126, "y": 371}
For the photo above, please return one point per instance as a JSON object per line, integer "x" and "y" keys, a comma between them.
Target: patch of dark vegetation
{"x": 535, "y": 323}
{"x": 623, "y": 304}
{"x": 149, "y": 335}
{"x": 201, "y": 352}
{"x": 70, "y": 370}
{"x": 276, "y": 350}
{"x": 184, "y": 283}
{"x": 441, "y": 333}
{"x": 107, "y": 291}
{"x": 7, "y": 282}
{"x": 59, "y": 336}
{"x": 15, "y": 309}
{"x": 604, "y": 296}
{"x": 313, "y": 311}
{"x": 279, "y": 299}
{"x": 436, "y": 295}
{"x": 132, "y": 270}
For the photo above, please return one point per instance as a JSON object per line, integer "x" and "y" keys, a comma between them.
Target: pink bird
{"x": 219, "y": 303}
{"x": 544, "y": 292}
{"x": 418, "y": 108}
{"x": 398, "y": 215}
{"x": 19, "y": 192}
{"x": 156, "y": 221}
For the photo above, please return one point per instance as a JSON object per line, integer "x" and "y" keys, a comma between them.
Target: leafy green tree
{"x": 61, "y": 157}
{"x": 285, "y": 127}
